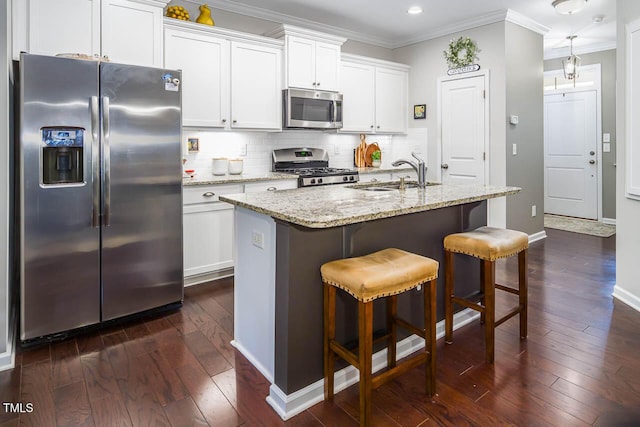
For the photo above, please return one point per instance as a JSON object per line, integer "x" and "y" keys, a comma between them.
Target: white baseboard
{"x": 207, "y": 277}
{"x": 264, "y": 371}
{"x": 610, "y": 221}
{"x": 287, "y": 406}
{"x": 537, "y": 236}
{"x": 626, "y": 297}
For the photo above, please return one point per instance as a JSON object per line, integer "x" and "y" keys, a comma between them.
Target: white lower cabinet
{"x": 208, "y": 227}
{"x": 208, "y": 233}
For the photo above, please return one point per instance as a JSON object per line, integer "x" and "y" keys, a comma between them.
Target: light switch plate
{"x": 514, "y": 149}
{"x": 513, "y": 119}
{"x": 606, "y": 147}
{"x": 606, "y": 137}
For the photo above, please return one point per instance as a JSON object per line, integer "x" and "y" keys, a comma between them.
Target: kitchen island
{"x": 283, "y": 237}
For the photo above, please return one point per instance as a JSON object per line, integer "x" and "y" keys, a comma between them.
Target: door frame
{"x": 597, "y": 86}
{"x": 487, "y": 124}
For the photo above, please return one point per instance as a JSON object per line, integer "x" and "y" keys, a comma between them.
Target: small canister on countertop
{"x": 235, "y": 166}
{"x": 219, "y": 165}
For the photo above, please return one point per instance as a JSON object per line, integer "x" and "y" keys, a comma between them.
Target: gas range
{"x": 312, "y": 167}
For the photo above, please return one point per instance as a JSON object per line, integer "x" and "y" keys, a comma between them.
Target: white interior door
{"x": 570, "y": 159}
{"x": 463, "y": 130}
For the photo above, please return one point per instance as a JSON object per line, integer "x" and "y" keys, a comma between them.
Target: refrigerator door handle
{"x": 106, "y": 158}
{"x": 95, "y": 162}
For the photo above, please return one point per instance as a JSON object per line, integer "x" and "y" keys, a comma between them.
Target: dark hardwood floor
{"x": 579, "y": 365}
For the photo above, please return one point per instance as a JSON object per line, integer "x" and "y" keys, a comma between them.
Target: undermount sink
{"x": 387, "y": 186}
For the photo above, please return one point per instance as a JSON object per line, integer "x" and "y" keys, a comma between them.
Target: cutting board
{"x": 369, "y": 151}
{"x": 360, "y": 153}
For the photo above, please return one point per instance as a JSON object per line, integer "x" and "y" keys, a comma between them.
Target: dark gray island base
{"x": 278, "y": 288}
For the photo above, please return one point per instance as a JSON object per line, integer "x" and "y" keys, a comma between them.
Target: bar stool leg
{"x": 481, "y": 299}
{"x": 523, "y": 291}
{"x": 392, "y": 330}
{"x": 488, "y": 282}
{"x": 430, "y": 335}
{"x": 329, "y": 335}
{"x": 448, "y": 292}
{"x": 365, "y": 343}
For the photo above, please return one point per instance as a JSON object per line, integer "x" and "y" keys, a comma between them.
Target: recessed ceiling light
{"x": 568, "y": 7}
{"x": 597, "y": 19}
{"x": 414, "y": 10}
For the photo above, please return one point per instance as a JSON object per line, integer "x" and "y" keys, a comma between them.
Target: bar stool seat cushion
{"x": 487, "y": 243}
{"x": 387, "y": 272}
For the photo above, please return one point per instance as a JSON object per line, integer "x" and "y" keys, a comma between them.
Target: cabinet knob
{"x": 318, "y": 84}
{"x": 378, "y": 127}
{"x": 235, "y": 121}
{"x": 208, "y": 194}
{"x": 271, "y": 189}
{"x": 373, "y": 180}
{"x": 592, "y": 162}
{"x": 445, "y": 166}
{"x": 371, "y": 126}
{"x": 224, "y": 120}
{"x": 314, "y": 83}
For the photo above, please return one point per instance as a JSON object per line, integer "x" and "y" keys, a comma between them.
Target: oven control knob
{"x": 345, "y": 178}
{"x": 351, "y": 178}
{"x": 319, "y": 180}
{"x": 313, "y": 181}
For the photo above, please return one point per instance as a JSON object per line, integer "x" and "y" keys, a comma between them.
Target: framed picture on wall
{"x": 193, "y": 145}
{"x": 420, "y": 111}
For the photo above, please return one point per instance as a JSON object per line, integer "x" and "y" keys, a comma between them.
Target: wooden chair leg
{"x": 392, "y": 330}
{"x": 448, "y": 292}
{"x": 365, "y": 343}
{"x": 430, "y": 335}
{"x": 329, "y": 335}
{"x": 482, "y": 298}
{"x": 488, "y": 282}
{"x": 523, "y": 291}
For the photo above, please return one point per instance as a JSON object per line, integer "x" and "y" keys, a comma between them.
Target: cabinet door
{"x": 256, "y": 97}
{"x": 132, "y": 32}
{"x": 62, "y": 26}
{"x": 327, "y": 66}
{"x": 208, "y": 238}
{"x": 301, "y": 63}
{"x": 204, "y": 61}
{"x": 358, "y": 105}
{"x": 391, "y": 100}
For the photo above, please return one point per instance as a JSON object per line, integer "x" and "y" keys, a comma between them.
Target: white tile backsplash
{"x": 259, "y": 145}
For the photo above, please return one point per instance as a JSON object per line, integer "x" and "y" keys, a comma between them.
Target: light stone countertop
{"x": 337, "y": 205}
{"x": 210, "y": 179}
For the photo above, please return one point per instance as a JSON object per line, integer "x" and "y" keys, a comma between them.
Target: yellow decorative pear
{"x": 205, "y": 16}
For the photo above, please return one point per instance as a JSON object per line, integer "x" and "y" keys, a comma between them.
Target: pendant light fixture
{"x": 571, "y": 65}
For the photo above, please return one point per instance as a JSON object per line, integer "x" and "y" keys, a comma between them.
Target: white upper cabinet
{"x": 127, "y": 31}
{"x": 205, "y": 64}
{"x": 230, "y": 80}
{"x": 375, "y": 95}
{"x": 312, "y": 58}
{"x": 132, "y": 32}
{"x": 256, "y": 96}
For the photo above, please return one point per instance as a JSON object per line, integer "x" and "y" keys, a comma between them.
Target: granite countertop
{"x": 336, "y": 205}
{"x": 209, "y": 179}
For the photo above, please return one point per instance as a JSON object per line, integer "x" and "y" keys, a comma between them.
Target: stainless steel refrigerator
{"x": 100, "y": 192}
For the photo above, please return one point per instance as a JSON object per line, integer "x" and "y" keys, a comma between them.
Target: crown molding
{"x": 582, "y": 50}
{"x": 289, "y": 30}
{"x": 526, "y": 22}
{"x": 365, "y": 60}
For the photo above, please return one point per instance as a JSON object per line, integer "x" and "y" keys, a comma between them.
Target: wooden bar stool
{"x": 385, "y": 273}
{"x": 488, "y": 244}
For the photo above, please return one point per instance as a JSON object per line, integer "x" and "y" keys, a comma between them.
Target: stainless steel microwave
{"x": 311, "y": 109}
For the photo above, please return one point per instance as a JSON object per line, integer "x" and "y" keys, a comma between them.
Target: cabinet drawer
{"x": 207, "y": 193}
{"x": 285, "y": 184}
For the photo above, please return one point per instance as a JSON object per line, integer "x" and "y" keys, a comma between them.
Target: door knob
{"x": 592, "y": 162}
{"x": 593, "y": 153}
{"x": 445, "y": 166}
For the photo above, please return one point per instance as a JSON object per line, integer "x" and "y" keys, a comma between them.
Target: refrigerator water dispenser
{"x": 62, "y": 155}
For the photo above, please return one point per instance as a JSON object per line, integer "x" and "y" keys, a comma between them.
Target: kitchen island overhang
{"x": 282, "y": 239}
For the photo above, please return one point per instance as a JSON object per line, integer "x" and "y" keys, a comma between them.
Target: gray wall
{"x": 5, "y": 140}
{"x": 524, "y": 76}
{"x": 607, "y": 61}
{"x": 627, "y": 210}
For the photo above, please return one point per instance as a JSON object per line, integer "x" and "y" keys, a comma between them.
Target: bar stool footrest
{"x": 400, "y": 369}
{"x": 507, "y": 316}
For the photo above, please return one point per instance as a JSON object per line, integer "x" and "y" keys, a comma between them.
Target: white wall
{"x": 259, "y": 146}
{"x": 6, "y": 349}
{"x": 628, "y": 211}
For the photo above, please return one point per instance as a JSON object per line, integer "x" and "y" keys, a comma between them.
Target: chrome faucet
{"x": 419, "y": 166}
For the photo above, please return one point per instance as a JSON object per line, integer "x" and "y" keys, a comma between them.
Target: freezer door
{"x": 59, "y": 244}
{"x": 142, "y": 189}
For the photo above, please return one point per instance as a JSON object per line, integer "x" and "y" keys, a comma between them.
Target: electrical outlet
{"x": 533, "y": 210}
{"x": 336, "y": 149}
{"x": 606, "y": 147}
{"x": 514, "y": 149}
{"x": 243, "y": 149}
{"x": 257, "y": 239}
{"x": 606, "y": 137}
